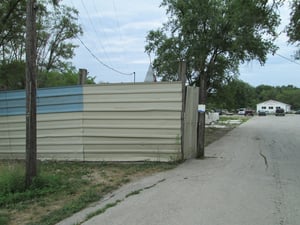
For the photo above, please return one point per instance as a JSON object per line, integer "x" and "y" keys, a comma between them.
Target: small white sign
{"x": 201, "y": 108}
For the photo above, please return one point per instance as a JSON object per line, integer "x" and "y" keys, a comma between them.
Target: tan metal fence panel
{"x": 190, "y": 125}
{"x": 59, "y": 136}
{"x": 12, "y": 137}
{"x": 118, "y": 122}
{"x": 132, "y": 122}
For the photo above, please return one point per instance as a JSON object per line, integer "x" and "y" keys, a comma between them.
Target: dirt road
{"x": 249, "y": 177}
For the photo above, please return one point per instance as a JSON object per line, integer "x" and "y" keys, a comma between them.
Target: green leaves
{"x": 57, "y": 25}
{"x": 213, "y": 36}
{"x": 294, "y": 26}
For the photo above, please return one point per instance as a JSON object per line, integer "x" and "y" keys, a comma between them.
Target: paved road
{"x": 250, "y": 177}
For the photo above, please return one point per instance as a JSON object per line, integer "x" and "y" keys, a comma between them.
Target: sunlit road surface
{"x": 249, "y": 177}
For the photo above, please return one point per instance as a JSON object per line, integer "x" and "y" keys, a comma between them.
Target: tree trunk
{"x": 201, "y": 117}
{"x": 31, "y": 156}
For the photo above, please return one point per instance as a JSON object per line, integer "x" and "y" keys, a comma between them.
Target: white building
{"x": 270, "y": 106}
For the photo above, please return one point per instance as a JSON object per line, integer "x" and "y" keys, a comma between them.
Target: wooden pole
{"x": 31, "y": 71}
{"x": 82, "y": 76}
{"x": 182, "y": 76}
{"x": 201, "y": 117}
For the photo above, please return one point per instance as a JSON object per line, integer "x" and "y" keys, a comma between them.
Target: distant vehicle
{"x": 262, "y": 113}
{"x": 297, "y": 112}
{"x": 220, "y": 111}
{"x": 241, "y": 112}
{"x": 245, "y": 112}
{"x": 249, "y": 112}
{"x": 279, "y": 112}
{"x": 223, "y": 112}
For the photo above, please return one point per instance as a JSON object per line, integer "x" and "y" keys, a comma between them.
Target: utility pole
{"x": 31, "y": 71}
{"x": 201, "y": 116}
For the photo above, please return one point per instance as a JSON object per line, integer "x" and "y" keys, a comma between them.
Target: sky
{"x": 113, "y": 44}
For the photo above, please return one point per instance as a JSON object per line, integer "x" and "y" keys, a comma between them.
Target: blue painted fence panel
{"x": 49, "y": 100}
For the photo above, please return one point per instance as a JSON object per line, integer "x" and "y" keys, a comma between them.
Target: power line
{"x": 94, "y": 29}
{"x": 119, "y": 30}
{"x": 102, "y": 63}
{"x": 286, "y": 58}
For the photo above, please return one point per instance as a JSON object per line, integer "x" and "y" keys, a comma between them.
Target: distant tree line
{"x": 236, "y": 94}
{"x": 56, "y": 26}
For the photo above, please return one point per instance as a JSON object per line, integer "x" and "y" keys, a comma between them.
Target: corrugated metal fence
{"x": 116, "y": 122}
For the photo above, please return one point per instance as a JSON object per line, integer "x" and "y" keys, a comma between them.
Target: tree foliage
{"x": 293, "y": 29}
{"x": 288, "y": 94}
{"x": 65, "y": 78}
{"x": 12, "y": 30}
{"x": 233, "y": 95}
{"x": 56, "y": 26}
{"x": 214, "y": 37}
{"x": 54, "y": 35}
{"x": 12, "y": 76}
{"x": 236, "y": 94}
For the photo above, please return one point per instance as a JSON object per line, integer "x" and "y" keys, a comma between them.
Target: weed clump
{"x": 12, "y": 180}
{"x": 13, "y": 189}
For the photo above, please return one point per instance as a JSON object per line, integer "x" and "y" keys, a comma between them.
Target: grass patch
{"x": 62, "y": 188}
{"x": 227, "y": 118}
{"x": 134, "y": 193}
{"x": 212, "y": 134}
{"x": 11, "y": 179}
{"x": 4, "y": 218}
{"x": 102, "y": 210}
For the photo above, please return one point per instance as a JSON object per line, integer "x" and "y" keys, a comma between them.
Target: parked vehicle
{"x": 241, "y": 112}
{"x": 249, "y": 112}
{"x": 279, "y": 112}
{"x": 223, "y": 112}
{"x": 262, "y": 113}
{"x": 245, "y": 112}
{"x": 297, "y": 112}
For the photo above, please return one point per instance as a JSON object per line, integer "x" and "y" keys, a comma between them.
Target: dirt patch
{"x": 212, "y": 134}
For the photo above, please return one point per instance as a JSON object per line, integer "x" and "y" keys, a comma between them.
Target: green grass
{"x": 4, "y": 218}
{"x": 102, "y": 210}
{"x": 13, "y": 193}
{"x": 241, "y": 118}
{"x": 62, "y": 188}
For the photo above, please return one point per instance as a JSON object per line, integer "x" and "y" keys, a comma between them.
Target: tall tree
{"x": 56, "y": 27}
{"x": 293, "y": 29}
{"x": 12, "y": 30}
{"x": 233, "y": 94}
{"x": 214, "y": 36}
